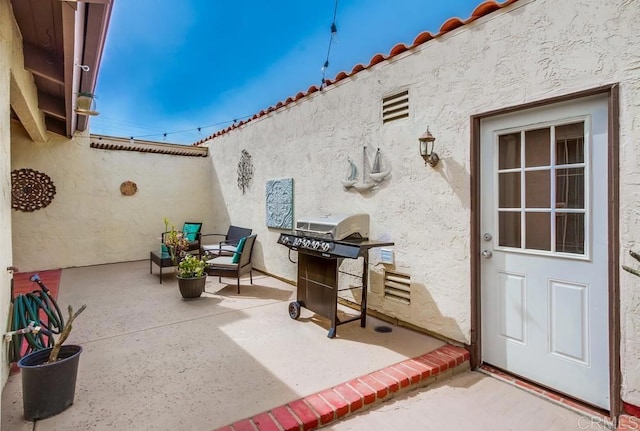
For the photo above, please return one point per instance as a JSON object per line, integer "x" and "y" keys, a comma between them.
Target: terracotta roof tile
{"x": 450, "y": 24}
{"x": 378, "y": 58}
{"x": 485, "y": 9}
{"x": 120, "y": 144}
{"x": 453, "y": 23}
{"x": 398, "y": 49}
{"x": 341, "y": 76}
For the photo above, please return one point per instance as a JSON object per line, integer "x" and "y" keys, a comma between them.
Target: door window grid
{"x": 565, "y": 228}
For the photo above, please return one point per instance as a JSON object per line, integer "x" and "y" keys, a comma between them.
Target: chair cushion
{"x": 190, "y": 230}
{"x": 238, "y": 253}
{"x": 222, "y": 262}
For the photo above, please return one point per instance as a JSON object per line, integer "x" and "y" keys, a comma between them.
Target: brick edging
{"x": 628, "y": 423}
{"x": 329, "y": 405}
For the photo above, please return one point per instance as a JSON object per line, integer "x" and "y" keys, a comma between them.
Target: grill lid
{"x": 334, "y": 226}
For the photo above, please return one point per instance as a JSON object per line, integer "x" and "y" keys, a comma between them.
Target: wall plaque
{"x": 279, "y": 201}
{"x": 128, "y": 188}
{"x": 31, "y": 190}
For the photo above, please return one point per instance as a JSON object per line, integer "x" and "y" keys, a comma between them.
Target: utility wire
{"x": 199, "y": 129}
{"x": 334, "y": 31}
{"x": 194, "y": 129}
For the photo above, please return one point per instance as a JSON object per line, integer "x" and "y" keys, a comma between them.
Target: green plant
{"x": 191, "y": 267}
{"x": 174, "y": 240}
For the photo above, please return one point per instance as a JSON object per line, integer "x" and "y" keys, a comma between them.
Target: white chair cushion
{"x": 222, "y": 261}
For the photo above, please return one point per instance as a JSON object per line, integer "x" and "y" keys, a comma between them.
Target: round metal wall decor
{"x": 128, "y": 188}
{"x": 31, "y": 190}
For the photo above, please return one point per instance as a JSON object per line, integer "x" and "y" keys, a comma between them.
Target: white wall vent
{"x": 395, "y": 107}
{"x": 397, "y": 286}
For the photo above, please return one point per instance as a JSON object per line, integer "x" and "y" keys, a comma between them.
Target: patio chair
{"x": 228, "y": 245}
{"x": 234, "y": 265}
{"x": 192, "y": 233}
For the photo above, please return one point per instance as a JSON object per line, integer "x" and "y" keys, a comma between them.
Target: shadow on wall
{"x": 423, "y": 313}
{"x": 458, "y": 177}
{"x": 221, "y": 218}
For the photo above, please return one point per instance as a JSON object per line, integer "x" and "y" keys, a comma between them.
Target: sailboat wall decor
{"x": 371, "y": 175}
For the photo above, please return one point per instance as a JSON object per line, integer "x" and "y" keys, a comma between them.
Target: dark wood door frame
{"x": 613, "y": 177}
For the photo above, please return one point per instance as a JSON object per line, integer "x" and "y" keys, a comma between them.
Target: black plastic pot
{"x": 48, "y": 389}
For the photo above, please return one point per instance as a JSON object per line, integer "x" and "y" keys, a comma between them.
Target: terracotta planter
{"x": 192, "y": 287}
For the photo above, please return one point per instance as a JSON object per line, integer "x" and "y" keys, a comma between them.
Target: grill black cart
{"x": 318, "y": 272}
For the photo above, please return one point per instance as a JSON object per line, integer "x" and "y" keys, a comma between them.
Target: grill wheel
{"x": 294, "y": 310}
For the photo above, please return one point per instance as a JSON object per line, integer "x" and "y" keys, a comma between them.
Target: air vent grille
{"x": 395, "y": 107}
{"x": 397, "y": 287}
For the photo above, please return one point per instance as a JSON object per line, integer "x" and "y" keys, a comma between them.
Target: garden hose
{"x": 37, "y": 306}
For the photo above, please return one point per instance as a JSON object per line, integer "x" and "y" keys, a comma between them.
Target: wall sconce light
{"x": 426, "y": 149}
{"x": 84, "y": 104}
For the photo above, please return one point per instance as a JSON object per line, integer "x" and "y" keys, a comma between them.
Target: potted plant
{"x": 174, "y": 241}
{"x": 49, "y": 375}
{"x": 191, "y": 276}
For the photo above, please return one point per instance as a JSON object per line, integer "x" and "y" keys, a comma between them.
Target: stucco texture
{"x": 530, "y": 51}
{"x": 89, "y": 221}
{"x": 7, "y": 42}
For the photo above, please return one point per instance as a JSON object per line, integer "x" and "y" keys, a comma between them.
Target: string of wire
{"x": 194, "y": 129}
{"x": 334, "y": 31}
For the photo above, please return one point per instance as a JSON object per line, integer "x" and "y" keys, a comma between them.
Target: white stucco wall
{"x": 7, "y": 42}
{"x": 89, "y": 221}
{"x": 533, "y": 50}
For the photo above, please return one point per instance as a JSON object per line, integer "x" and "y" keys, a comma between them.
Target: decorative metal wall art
{"x": 128, "y": 188}
{"x": 245, "y": 171}
{"x": 279, "y": 200}
{"x": 371, "y": 175}
{"x": 31, "y": 190}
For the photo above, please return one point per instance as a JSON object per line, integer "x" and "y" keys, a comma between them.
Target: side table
{"x": 162, "y": 260}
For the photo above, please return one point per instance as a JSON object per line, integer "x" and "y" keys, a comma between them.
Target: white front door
{"x": 544, "y": 291}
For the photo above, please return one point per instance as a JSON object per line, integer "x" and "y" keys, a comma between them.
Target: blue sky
{"x": 175, "y": 66}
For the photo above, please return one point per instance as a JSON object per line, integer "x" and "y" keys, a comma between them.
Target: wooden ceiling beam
{"x": 43, "y": 63}
{"x": 53, "y": 106}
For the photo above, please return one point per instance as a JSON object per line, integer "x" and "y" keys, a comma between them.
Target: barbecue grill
{"x": 322, "y": 242}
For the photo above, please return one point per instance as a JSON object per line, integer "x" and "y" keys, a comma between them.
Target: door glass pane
{"x": 537, "y": 144}
{"x": 538, "y": 231}
{"x": 509, "y": 151}
{"x": 570, "y": 143}
{"x": 509, "y": 190}
{"x": 538, "y": 187}
{"x": 570, "y": 233}
{"x": 570, "y": 188}
{"x": 509, "y": 229}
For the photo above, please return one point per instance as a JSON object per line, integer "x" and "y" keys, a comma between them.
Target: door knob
{"x": 487, "y": 254}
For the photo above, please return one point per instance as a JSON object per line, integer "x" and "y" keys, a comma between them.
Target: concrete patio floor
{"x": 153, "y": 361}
